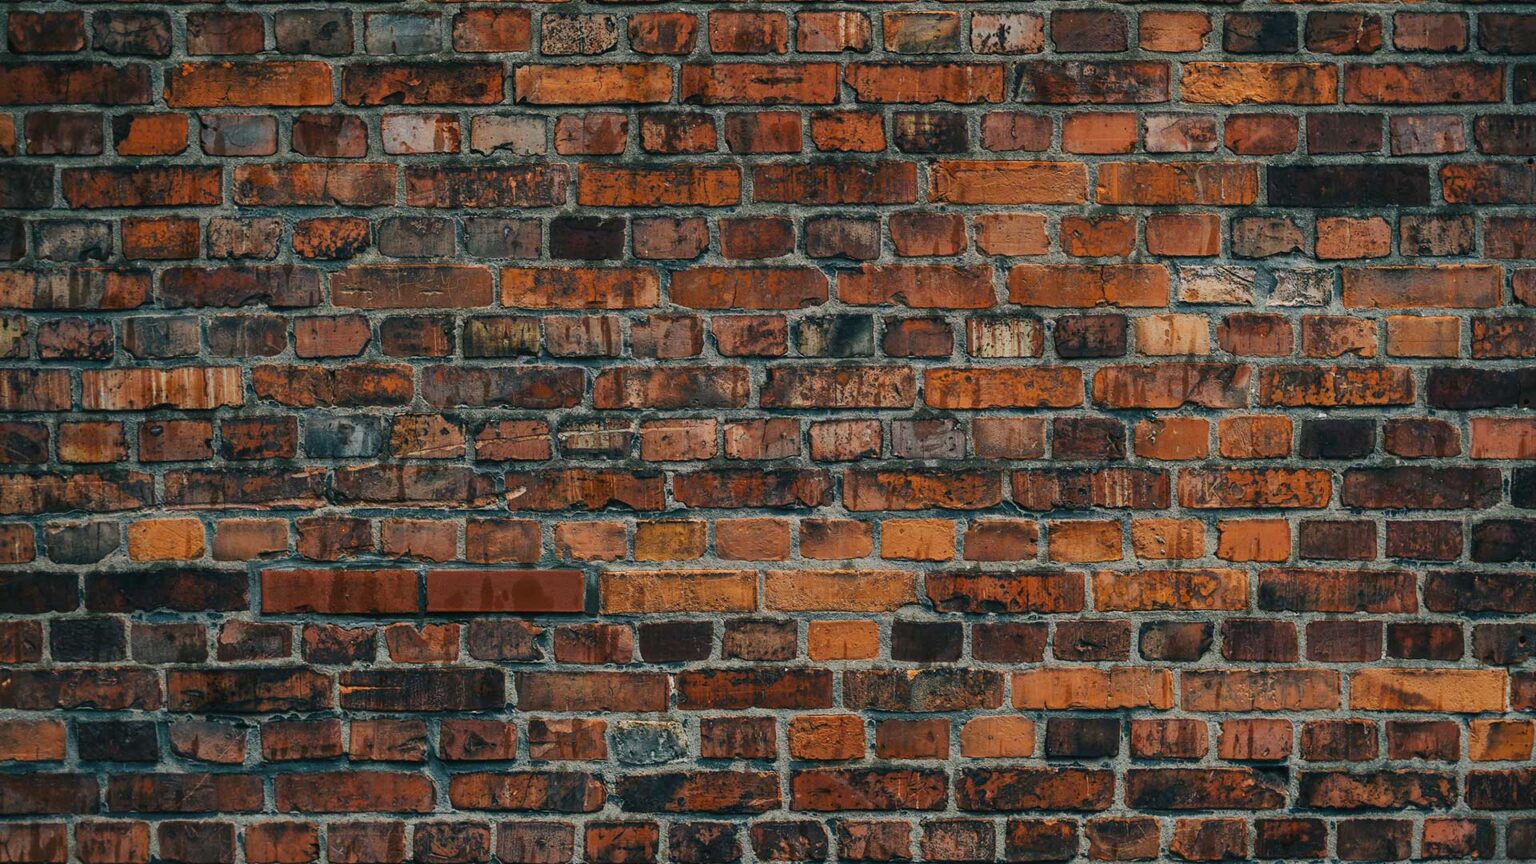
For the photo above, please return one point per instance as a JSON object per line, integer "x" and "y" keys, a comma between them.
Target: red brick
{"x": 339, "y": 591}
{"x": 1009, "y": 182}
{"x": 1225, "y": 83}
{"x": 619, "y": 84}
{"x": 505, "y": 591}
{"x": 276, "y": 83}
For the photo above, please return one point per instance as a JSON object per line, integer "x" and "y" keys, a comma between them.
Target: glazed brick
{"x": 706, "y": 434}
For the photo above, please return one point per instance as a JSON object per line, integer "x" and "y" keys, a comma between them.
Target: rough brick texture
{"x": 711, "y": 432}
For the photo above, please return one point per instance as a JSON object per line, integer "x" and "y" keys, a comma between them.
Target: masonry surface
{"x": 767, "y": 432}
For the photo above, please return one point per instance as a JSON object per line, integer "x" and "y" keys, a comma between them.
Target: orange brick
{"x": 1001, "y": 540}
{"x": 1147, "y": 590}
{"x": 1345, "y": 237}
{"x": 680, "y": 540}
{"x": 92, "y": 443}
{"x": 752, "y": 539}
{"x": 963, "y": 182}
{"x": 1255, "y": 739}
{"x": 593, "y": 84}
{"x": 426, "y": 539}
{"x": 1423, "y": 336}
{"x": 223, "y": 85}
{"x": 848, "y": 131}
{"x": 1214, "y": 183}
{"x": 629, "y": 592}
{"x": 1183, "y": 234}
{"x": 1453, "y": 691}
{"x": 175, "y": 539}
{"x": 1083, "y": 541}
{"x": 917, "y": 539}
{"x": 997, "y": 738}
{"x": 1162, "y": 539}
{"x": 1093, "y": 689}
{"x": 1099, "y": 133}
{"x": 1465, "y": 286}
{"x": 1267, "y": 690}
{"x": 836, "y": 539}
{"x": 1166, "y": 31}
{"x": 1503, "y": 438}
{"x": 1253, "y": 540}
{"x": 1223, "y": 83}
{"x": 1173, "y": 438}
{"x": 1016, "y": 234}
{"x": 1500, "y": 740}
{"x": 843, "y": 640}
{"x": 838, "y": 590}
{"x": 1172, "y": 334}
{"x": 1257, "y": 436}
{"x": 826, "y": 737}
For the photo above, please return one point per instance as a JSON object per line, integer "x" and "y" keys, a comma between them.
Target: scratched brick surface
{"x": 712, "y": 432}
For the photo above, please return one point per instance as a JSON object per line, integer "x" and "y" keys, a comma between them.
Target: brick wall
{"x": 800, "y": 431}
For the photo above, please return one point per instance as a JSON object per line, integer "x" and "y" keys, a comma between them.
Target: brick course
{"x": 699, "y": 433}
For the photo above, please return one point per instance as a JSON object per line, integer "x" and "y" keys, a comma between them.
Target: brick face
{"x": 586, "y": 431}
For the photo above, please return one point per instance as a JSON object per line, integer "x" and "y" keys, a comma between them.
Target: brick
{"x": 618, "y": 187}
{"x": 1260, "y": 83}
{"x": 347, "y": 591}
{"x": 1002, "y": 387}
{"x": 1446, "y": 690}
{"x": 1009, "y": 182}
{"x": 1177, "y": 183}
{"x": 1413, "y": 136}
{"x": 663, "y": 32}
{"x": 1164, "y": 31}
{"x": 1092, "y": 689}
{"x": 1078, "y": 31}
{"x": 422, "y": 84}
{"x": 343, "y": 793}
{"x": 842, "y": 640}
{"x": 188, "y": 388}
{"x": 224, "y": 33}
{"x": 1073, "y": 82}
{"x": 1412, "y": 84}
{"x": 703, "y": 590}
{"x": 313, "y": 185}
{"x": 276, "y": 83}
{"x": 1224, "y": 285}
{"x": 1099, "y": 133}
{"x": 808, "y": 590}
{"x": 821, "y": 789}
{"x": 1326, "y": 185}
{"x": 1085, "y": 286}
{"x": 1171, "y": 589}
{"x": 960, "y": 84}
{"x": 504, "y": 591}
{"x": 758, "y": 84}
{"x": 1449, "y": 287}
{"x": 1431, "y": 336}
{"x": 836, "y": 183}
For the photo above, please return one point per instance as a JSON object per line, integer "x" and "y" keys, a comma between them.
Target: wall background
{"x": 711, "y": 432}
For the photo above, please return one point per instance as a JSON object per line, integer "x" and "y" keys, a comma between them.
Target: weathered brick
{"x": 276, "y": 83}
